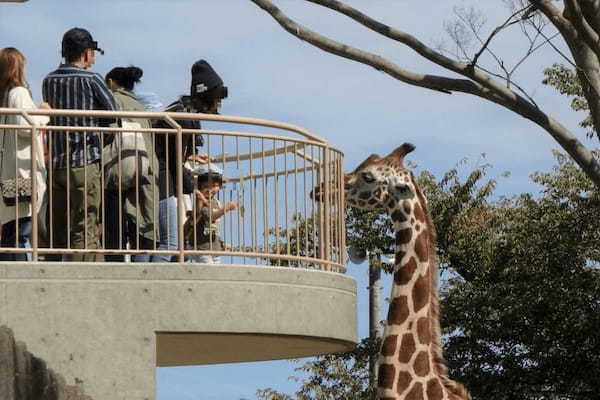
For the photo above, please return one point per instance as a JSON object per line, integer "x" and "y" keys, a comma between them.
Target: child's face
{"x": 210, "y": 190}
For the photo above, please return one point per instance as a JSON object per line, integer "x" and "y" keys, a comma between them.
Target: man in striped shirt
{"x": 76, "y": 155}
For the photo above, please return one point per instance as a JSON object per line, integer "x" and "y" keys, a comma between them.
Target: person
{"x": 206, "y": 93}
{"x": 15, "y": 158}
{"x": 130, "y": 167}
{"x": 75, "y": 173}
{"x": 201, "y": 228}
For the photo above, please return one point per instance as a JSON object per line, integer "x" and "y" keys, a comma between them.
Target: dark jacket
{"x": 166, "y": 147}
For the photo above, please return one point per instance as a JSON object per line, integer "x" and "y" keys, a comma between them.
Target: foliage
{"x": 370, "y": 231}
{"x": 365, "y": 230}
{"x": 301, "y": 239}
{"x": 521, "y": 293}
{"x": 335, "y": 376}
{"x": 523, "y": 310}
{"x": 451, "y": 203}
{"x": 565, "y": 80}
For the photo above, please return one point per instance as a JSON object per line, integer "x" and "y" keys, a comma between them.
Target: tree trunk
{"x": 375, "y": 330}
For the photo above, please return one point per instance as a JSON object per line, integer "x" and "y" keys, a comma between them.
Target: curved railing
{"x": 269, "y": 174}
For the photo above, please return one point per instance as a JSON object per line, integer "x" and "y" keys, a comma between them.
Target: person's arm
{"x": 219, "y": 212}
{"x": 104, "y": 99}
{"x": 45, "y": 93}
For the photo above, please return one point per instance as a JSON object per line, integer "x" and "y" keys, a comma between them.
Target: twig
{"x": 496, "y": 31}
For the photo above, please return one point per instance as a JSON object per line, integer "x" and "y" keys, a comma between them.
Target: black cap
{"x": 206, "y": 82}
{"x": 78, "y": 39}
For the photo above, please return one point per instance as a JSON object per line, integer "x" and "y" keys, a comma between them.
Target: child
{"x": 208, "y": 209}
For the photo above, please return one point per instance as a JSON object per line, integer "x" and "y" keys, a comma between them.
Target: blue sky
{"x": 272, "y": 75}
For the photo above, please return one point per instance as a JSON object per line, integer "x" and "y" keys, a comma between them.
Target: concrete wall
{"x": 105, "y": 327}
{"x": 23, "y": 376}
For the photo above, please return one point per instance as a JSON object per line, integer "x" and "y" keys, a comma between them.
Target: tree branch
{"x": 589, "y": 36}
{"x": 506, "y": 23}
{"x": 499, "y": 93}
{"x": 481, "y": 85}
{"x": 439, "y": 83}
{"x": 556, "y": 17}
{"x": 591, "y": 12}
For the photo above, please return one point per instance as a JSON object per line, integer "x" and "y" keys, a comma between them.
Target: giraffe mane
{"x": 439, "y": 362}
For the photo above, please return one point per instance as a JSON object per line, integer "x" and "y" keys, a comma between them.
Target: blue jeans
{"x": 167, "y": 217}
{"x": 9, "y": 239}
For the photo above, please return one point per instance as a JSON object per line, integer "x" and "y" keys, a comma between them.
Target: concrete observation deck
{"x": 106, "y": 326}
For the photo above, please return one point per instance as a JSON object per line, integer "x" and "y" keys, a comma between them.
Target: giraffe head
{"x": 380, "y": 183}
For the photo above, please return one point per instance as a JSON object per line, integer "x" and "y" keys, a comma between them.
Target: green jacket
{"x": 141, "y": 205}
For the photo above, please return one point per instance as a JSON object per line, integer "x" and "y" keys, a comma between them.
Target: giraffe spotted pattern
{"x": 410, "y": 363}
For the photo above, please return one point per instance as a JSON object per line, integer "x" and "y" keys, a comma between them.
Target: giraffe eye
{"x": 368, "y": 177}
{"x": 402, "y": 189}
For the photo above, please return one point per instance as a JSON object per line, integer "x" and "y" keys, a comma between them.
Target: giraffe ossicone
{"x": 410, "y": 363}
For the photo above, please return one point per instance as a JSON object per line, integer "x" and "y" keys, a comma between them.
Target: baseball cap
{"x": 79, "y": 39}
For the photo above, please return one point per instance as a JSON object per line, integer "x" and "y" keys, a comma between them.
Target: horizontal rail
{"x": 164, "y": 115}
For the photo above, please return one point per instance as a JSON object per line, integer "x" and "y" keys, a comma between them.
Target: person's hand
{"x": 200, "y": 158}
{"x": 45, "y": 106}
{"x": 201, "y": 198}
{"x": 232, "y": 205}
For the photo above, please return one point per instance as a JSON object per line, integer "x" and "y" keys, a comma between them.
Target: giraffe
{"x": 410, "y": 363}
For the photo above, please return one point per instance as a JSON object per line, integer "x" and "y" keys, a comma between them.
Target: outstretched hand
{"x": 232, "y": 205}
{"x": 200, "y": 158}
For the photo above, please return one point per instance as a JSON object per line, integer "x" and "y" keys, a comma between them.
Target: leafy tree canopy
{"x": 521, "y": 293}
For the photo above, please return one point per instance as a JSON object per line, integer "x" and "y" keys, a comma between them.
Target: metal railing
{"x": 268, "y": 174}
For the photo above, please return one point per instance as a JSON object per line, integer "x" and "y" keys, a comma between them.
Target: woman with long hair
{"x": 131, "y": 170}
{"x": 15, "y": 159}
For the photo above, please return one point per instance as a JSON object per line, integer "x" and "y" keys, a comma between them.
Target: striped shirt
{"x": 74, "y": 88}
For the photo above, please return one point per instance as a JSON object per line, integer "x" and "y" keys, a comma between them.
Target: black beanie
{"x": 204, "y": 78}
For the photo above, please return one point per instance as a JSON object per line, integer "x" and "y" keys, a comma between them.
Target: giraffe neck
{"x": 410, "y": 363}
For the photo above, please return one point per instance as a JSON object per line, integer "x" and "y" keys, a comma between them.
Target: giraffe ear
{"x": 400, "y": 152}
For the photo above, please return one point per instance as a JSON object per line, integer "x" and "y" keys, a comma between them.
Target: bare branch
{"x": 513, "y": 83}
{"x": 556, "y": 49}
{"x": 439, "y": 83}
{"x": 534, "y": 49}
{"x": 506, "y": 23}
{"x": 394, "y": 34}
{"x": 497, "y": 91}
{"x": 480, "y": 84}
{"x": 460, "y": 39}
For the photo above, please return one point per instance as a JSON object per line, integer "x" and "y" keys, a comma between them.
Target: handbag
{"x": 16, "y": 189}
{"x": 126, "y": 153}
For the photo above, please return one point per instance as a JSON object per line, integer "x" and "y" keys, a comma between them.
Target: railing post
{"x": 180, "y": 202}
{"x": 327, "y": 204}
{"x": 342, "y": 220}
{"x": 34, "y": 199}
